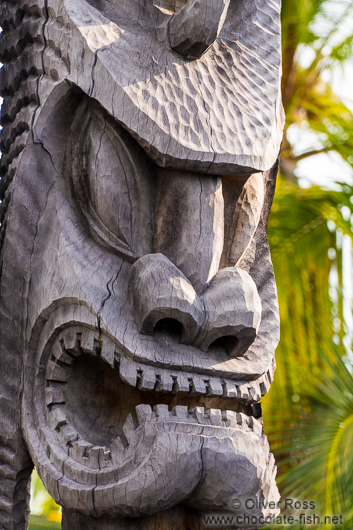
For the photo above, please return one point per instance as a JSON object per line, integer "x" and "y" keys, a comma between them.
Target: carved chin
{"x": 105, "y": 446}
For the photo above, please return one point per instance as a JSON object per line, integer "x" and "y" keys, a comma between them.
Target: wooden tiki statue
{"x": 138, "y": 312}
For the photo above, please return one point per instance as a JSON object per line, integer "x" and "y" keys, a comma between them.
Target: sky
{"x": 325, "y": 169}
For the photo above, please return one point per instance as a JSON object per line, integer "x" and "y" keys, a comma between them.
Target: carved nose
{"x": 226, "y": 318}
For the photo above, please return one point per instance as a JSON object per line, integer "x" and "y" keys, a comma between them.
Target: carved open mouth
{"x": 97, "y": 397}
{"x": 107, "y": 420}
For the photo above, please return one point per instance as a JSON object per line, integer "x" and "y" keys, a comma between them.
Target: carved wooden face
{"x": 152, "y": 316}
{"x": 147, "y": 342}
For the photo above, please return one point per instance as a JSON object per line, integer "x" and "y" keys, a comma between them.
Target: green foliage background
{"x": 309, "y": 411}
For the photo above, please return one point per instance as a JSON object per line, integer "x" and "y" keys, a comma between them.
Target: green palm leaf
{"x": 309, "y": 411}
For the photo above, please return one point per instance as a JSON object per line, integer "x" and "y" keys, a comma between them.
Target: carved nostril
{"x": 233, "y": 314}
{"x": 227, "y": 344}
{"x": 169, "y": 328}
{"x": 161, "y": 296}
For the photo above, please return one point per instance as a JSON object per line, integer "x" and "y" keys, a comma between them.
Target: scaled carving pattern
{"x": 138, "y": 313}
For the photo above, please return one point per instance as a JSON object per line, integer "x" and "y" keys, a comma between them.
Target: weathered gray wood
{"x": 159, "y": 290}
{"x": 189, "y": 223}
{"x": 233, "y": 311}
{"x": 179, "y": 518}
{"x": 194, "y": 28}
{"x": 138, "y": 308}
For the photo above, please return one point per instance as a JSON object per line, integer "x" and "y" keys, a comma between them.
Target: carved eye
{"x": 112, "y": 182}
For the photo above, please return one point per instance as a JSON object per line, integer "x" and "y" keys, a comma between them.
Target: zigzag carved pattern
{"x": 20, "y": 45}
{"x": 20, "y": 50}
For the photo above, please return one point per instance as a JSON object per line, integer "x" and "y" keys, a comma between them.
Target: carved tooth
{"x": 254, "y": 391}
{"x": 61, "y": 355}
{"x": 266, "y": 384}
{"x": 116, "y": 448}
{"x": 69, "y": 338}
{"x": 57, "y": 419}
{"x": 144, "y": 413}
{"x": 199, "y": 414}
{"x": 148, "y": 381}
{"x": 108, "y": 351}
{"x": 54, "y": 394}
{"x": 231, "y": 389}
{"x": 162, "y": 411}
{"x": 87, "y": 454}
{"x": 181, "y": 412}
{"x": 127, "y": 370}
{"x": 78, "y": 450}
{"x": 215, "y": 417}
{"x": 198, "y": 385}
{"x": 129, "y": 427}
{"x": 244, "y": 392}
{"x": 105, "y": 457}
{"x": 257, "y": 426}
{"x": 216, "y": 387}
{"x": 87, "y": 341}
{"x": 182, "y": 382}
{"x": 67, "y": 434}
{"x": 166, "y": 381}
{"x": 93, "y": 455}
{"x": 231, "y": 418}
{"x": 56, "y": 372}
{"x": 264, "y": 387}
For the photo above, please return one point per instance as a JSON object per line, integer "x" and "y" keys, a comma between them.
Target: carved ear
{"x": 196, "y": 26}
{"x": 109, "y": 176}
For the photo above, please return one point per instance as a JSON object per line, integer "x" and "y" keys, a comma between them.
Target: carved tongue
{"x": 189, "y": 224}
